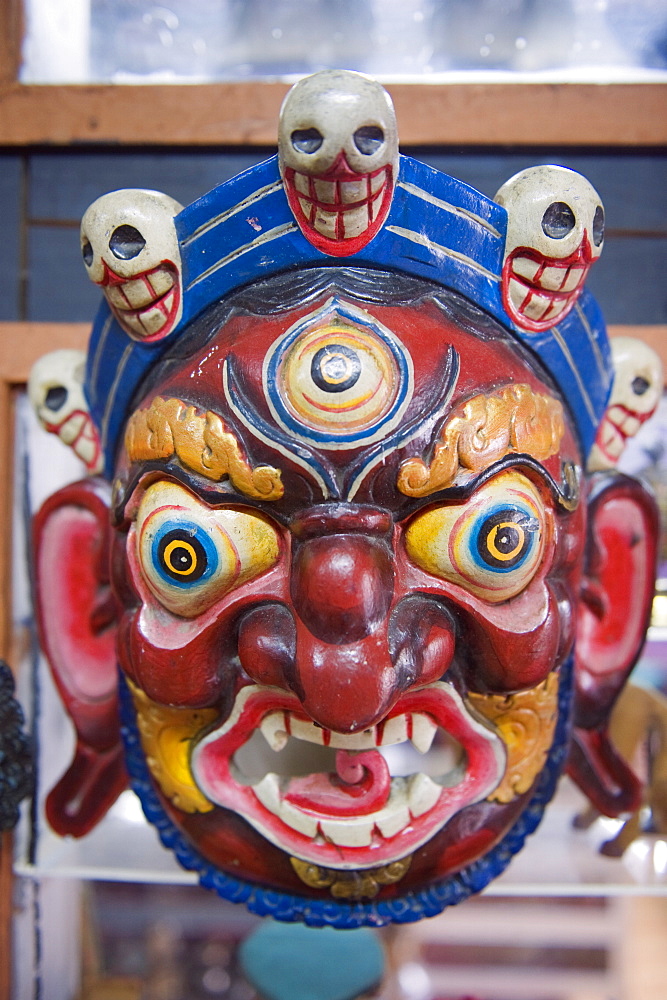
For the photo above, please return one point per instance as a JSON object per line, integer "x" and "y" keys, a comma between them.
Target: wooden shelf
{"x": 234, "y": 114}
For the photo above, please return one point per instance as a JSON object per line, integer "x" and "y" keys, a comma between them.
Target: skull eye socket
{"x": 56, "y": 397}
{"x": 598, "y": 226}
{"x": 368, "y": 139}
{"x": 126, "y": 242}
{"x": 640, "y": 385}
{"x": 87, "y": 252}
{"x": 558, "y": 220}
{"x": 306, "y": 140}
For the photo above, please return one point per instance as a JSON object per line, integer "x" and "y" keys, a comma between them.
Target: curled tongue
{"x": 361, "y": 785}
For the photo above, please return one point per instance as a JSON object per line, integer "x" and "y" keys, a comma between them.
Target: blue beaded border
{"x": 319, "y": 913}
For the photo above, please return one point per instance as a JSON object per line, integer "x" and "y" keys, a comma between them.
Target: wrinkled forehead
{"x": 337, "y": 393}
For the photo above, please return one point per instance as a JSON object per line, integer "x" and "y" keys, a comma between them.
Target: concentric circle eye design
{"x": 504, "y": 538}
{"x": 492, "y": 546}
{"x": 335, "y": 368}
{"x": 190, "y": 555}
{"x": 182, "y": 555}
{"x": 338, "y": 379}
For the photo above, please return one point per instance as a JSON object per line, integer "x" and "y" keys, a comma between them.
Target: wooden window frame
{"x": 245, "y": 113}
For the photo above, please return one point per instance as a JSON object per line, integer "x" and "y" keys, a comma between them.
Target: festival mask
{"x": 365, "y": 602}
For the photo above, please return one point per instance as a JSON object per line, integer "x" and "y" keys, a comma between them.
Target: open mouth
{"x": 348, "y": 801}
{"x": 146, "y": 305}
{"x": 540, "y": 291}
{"x": 340, "y": 211}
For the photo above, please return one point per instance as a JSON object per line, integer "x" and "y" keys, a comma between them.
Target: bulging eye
{"x": 183, "y": 553}
{"x": 491, "y": 546}
{"x": 190, "y": 555}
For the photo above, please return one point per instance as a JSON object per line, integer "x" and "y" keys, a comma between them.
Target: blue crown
{"x": 437, "y": 228}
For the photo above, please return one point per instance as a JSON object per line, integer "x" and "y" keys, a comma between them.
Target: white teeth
{"x": 274, "y": 730}
{"x": 552, "y": 278}
{"x": 377, "y": 182}
{"x": 325, "y": 191}
{"x": 268, "y": 792}
{"x": 573, "y": 279}
{"x": 352, "y": 831}
{"x": 298, "y": 820}
{"x": 423, "y": 730}
{"x": 377, "y": 205}
{"x": 325, "y": 223}
{"x": 518, "y": 292}
{"x": 394, "y": 731}
{"x": 423, "y": 793}
{"x": 70, "y": 429}
{"x": 162, "y": 280}
{"x": 138, "y": 293}
{"x": 306, "y": 207}
{"x": 355, "y": 741}
{"x": 351, "y": 191}
{"x": 152, "y": 320}
{"x": 536, "y": 307}
{"x": 115, "y": 296}
{"x": 525, "y": 267}
{"x": 302, "y": 183}
{"x": 307, "y": 731}
{"x": 355, "y": 222}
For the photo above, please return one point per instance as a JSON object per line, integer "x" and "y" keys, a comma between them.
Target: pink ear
{"x": 77, "y": 623}
{"x": 617, "y": 593}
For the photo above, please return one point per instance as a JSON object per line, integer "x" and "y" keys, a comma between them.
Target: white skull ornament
{"x": 130, "y": 249}
{"x": 555, "y": 232}
{"x": 638, "y": 384}
{"x": 55, "y": 390}
{"x": 338, "y": 152}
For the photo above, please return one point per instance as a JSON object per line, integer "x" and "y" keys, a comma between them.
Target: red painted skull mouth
{"x": 339, "y": 212}
{"x": 358, "y": 814}
{"x": 78, "y": 431}
{"x": 146, "y": 305}
{"x": 539, "y": 291}
{"x": 618, "y": 424}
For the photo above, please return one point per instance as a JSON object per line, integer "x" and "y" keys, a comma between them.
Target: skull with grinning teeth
{"x": 555, "y": 232}
{"x": 130, "y": 249}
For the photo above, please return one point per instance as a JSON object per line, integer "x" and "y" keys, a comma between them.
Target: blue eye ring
{"x": 183, "y": 554}
{"x": 504, "y": 539}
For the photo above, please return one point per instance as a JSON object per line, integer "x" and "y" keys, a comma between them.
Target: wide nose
{"x": 342, "y": 572}
{"x": 342, "y": 648}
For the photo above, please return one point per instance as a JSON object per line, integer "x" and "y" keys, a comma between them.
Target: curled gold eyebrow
{"x": 201, "y": 442}
{"x": 483, "y": 430}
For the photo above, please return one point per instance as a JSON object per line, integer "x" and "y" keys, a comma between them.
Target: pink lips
{"x": 358, "y": 816}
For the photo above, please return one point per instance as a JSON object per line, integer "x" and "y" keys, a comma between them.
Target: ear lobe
{"x": 614, "y": 612}
{"x": 76, "y": 618}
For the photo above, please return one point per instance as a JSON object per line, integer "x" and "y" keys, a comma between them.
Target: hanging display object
{"x": 339, "y": 597}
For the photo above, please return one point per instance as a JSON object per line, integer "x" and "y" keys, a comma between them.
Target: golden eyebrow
{"x": 514, "y": 420}
{"x": 202, "y": 443}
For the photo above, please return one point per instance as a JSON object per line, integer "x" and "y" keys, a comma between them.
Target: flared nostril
{"x": 342, "y": 586}
{"x": 267, "y": 645}
{"x": 422, "y": 640}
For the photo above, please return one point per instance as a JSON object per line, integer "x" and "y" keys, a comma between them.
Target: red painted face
{"x": 351, "y": 549}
